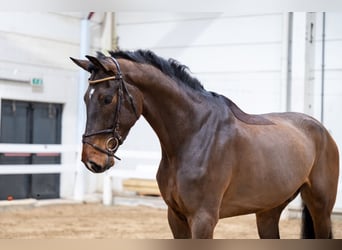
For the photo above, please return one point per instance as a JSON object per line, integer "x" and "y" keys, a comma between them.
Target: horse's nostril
{"x": 95, "y": 167}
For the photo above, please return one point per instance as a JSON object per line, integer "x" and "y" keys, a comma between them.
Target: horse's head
{"x": 113, "y": 106}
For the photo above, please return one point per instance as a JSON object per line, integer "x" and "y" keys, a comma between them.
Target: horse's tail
{"x": 308, "y": 231}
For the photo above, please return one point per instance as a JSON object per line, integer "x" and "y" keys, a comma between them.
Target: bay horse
{"x": 216, "y": 160}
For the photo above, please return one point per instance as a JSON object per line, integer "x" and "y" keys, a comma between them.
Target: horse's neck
{"x": 173, "y": 111}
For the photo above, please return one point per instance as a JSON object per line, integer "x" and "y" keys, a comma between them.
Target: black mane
{"x": 170, "y": 67}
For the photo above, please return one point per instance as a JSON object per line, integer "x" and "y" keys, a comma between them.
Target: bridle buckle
{"x": 112, "y": 144}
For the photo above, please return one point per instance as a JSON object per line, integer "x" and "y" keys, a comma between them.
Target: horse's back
{"x": 308, "y": 126}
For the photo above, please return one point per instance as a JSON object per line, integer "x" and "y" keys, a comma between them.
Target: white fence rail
{"x": 146, "y": 170}
{"x": 38, "y": 149}
{"x": 69, "y": 164}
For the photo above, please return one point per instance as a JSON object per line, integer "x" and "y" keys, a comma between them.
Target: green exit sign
{"x": 37, "y": 82}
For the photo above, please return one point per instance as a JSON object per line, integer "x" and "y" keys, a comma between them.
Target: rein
{"x": 113, "y": 142}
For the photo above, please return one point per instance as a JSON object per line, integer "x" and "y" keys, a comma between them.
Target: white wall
{"x": 332, "y": 80}
{"x": 239, "y": 56}
{"x": 39, "y": 45}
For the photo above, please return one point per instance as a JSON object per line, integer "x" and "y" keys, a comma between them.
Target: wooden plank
{"x": 141, "y": 186}
{"x": 140, "y": 182}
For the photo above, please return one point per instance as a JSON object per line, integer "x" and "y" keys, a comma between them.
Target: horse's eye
{"x": 108, "y": 99}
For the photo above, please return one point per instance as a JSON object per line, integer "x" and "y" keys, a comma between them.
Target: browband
{"x": 103, "y": 79}
{"x": 118, "y": 76}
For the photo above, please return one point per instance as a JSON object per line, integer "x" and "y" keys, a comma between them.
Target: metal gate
{"x": 30, "y": 123}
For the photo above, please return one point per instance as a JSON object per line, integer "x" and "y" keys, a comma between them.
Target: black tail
{"x": 308, "y": 231}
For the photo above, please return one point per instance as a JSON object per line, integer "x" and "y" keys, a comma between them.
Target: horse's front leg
{"x": 202, "y": 224}
{"x": 178, "y": 224}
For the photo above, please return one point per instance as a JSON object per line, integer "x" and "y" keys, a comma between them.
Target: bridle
{"x": 113, "y": 142}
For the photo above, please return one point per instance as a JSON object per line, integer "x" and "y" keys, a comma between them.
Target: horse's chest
{"x": 167, "y": 184}
{"x": 169, "y": 187}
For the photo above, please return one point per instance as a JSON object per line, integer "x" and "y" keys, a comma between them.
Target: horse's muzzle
{"x": 95, "y": 161}
{"x": 93, "y": 167}
{"x": 96, "y": 168}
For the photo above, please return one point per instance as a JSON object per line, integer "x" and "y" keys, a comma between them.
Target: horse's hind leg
{"x": 319, "y": 193}
{"x": 268, "y": 222}
{"x": 319, "y": 206}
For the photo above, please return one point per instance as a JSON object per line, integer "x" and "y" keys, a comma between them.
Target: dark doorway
{"x": 30, "y": 123}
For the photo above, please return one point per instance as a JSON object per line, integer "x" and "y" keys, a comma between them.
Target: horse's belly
{"x": 234, "y": 205}
{"x": 257, "y": 188}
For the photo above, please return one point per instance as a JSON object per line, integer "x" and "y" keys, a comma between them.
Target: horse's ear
{"x": 98, "y": 63}
{"x": 84, "y": 64}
